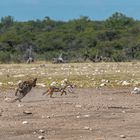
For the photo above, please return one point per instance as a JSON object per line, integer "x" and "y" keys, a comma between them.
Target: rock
{"x": 103, "y": 80}
{"x": 107, "y": 81}
{"x": 86, "y": 128}
{"x": 24, "y": 122}
{"x": 136, "y": 90}
{"x": 41, "y": 84}
{"x": 1, "y": 83}
{"x": 20, "y": 105}
{"x": 77, "y": 117}
{"x": 78, "y": 106}
{"x": 27, "y": 112}
{"x": 48, "y": 117}
{"x": 122, "y": 136}
{"x": 123, "y": 111}
{"x": 125, "y": 83}
{"x": 90, "y": 129}
{"x": 50, "y": 78}
{"x": 103, "y": 84}
{"x": 34, "y": 132}
{"x": 7, "y": 99}
{"x": 86, "y": 116}
{"x": 10, "y": 83}
{"x": 33, "y": 68}
{"x": 41, "y": 131}
{"x": 41, "y": 137}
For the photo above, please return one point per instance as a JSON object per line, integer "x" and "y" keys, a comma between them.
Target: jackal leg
{"x": 62, "y": 92}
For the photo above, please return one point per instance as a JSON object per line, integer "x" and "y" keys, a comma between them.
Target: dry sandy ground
{"x": 87, "y": 114}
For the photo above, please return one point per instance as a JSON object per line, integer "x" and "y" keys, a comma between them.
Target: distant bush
{"x": 82, "y": 39}
{"x": 5, "y": 57}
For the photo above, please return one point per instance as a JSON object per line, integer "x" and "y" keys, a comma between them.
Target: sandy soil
{"x": 87, "y": 114}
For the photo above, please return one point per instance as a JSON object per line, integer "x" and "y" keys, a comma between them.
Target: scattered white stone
{"x": 86, "y": 128}
{"x": 103, "y": 84}
{"x": 27, "y": 112}
{"x": 86, "y": 116}
{"x": 24, "y": 122}
{"x": 41, "y": 131}
{"x": 122, "y": 136}
{"x": 50, "y": 78}
{"x": 41, "y": 84}
{"x": 33, "y": 68}
{"x": 1, "y": 83}
{"x": 125, "y": 83}
{"x": 123, "y": 111}
{"x": 118, "y": 71}
{"x": 34, "y": 132}
{"x": 77, "y": 117}
{"x": 119, "y": 82}
{"x": 20, "y": 75}
{"x": 20, "y": 105}
{"x": 107, "y": 81}
{"x": 53, "y": 84}
{"x": 136, "y": 90}
{"x": 52, "y": 115}
{"x": 10, "y": 83}
{"x": 7, "y": 99}
{"x": 81, "y": 85}
{"x": 103, "y": 80}
{"x": 78, "y": 106}
{"x": 41, "y": 137}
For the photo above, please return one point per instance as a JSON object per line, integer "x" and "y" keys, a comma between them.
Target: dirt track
{"x": 87, "y": 114}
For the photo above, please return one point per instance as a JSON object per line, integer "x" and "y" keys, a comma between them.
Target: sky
{"x": 64, "y": 10}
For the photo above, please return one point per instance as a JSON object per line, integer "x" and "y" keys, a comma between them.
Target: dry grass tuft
{"x": 81, "y": 74}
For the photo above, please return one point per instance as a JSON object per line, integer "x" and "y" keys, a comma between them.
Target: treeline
{"x": 115, "y": 39}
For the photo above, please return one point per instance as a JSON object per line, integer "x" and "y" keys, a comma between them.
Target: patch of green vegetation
{"x": 81, "y": 74}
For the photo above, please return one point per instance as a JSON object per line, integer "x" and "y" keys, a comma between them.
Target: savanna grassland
{"x": 81, "y": 74}
{"x": 100, "y": 108}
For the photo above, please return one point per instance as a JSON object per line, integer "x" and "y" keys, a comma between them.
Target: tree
{"x": 119, "y": 21}
{"x": 7, "y": 21}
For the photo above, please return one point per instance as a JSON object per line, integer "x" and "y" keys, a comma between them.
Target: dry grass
{"x": 81, "y": 74}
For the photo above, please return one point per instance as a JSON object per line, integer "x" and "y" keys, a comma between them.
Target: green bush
{"x": 5, "y": 57}
{"x": 118, "y": 56}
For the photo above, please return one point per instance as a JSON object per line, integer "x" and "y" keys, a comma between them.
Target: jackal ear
{"x": 34, "y": 82}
